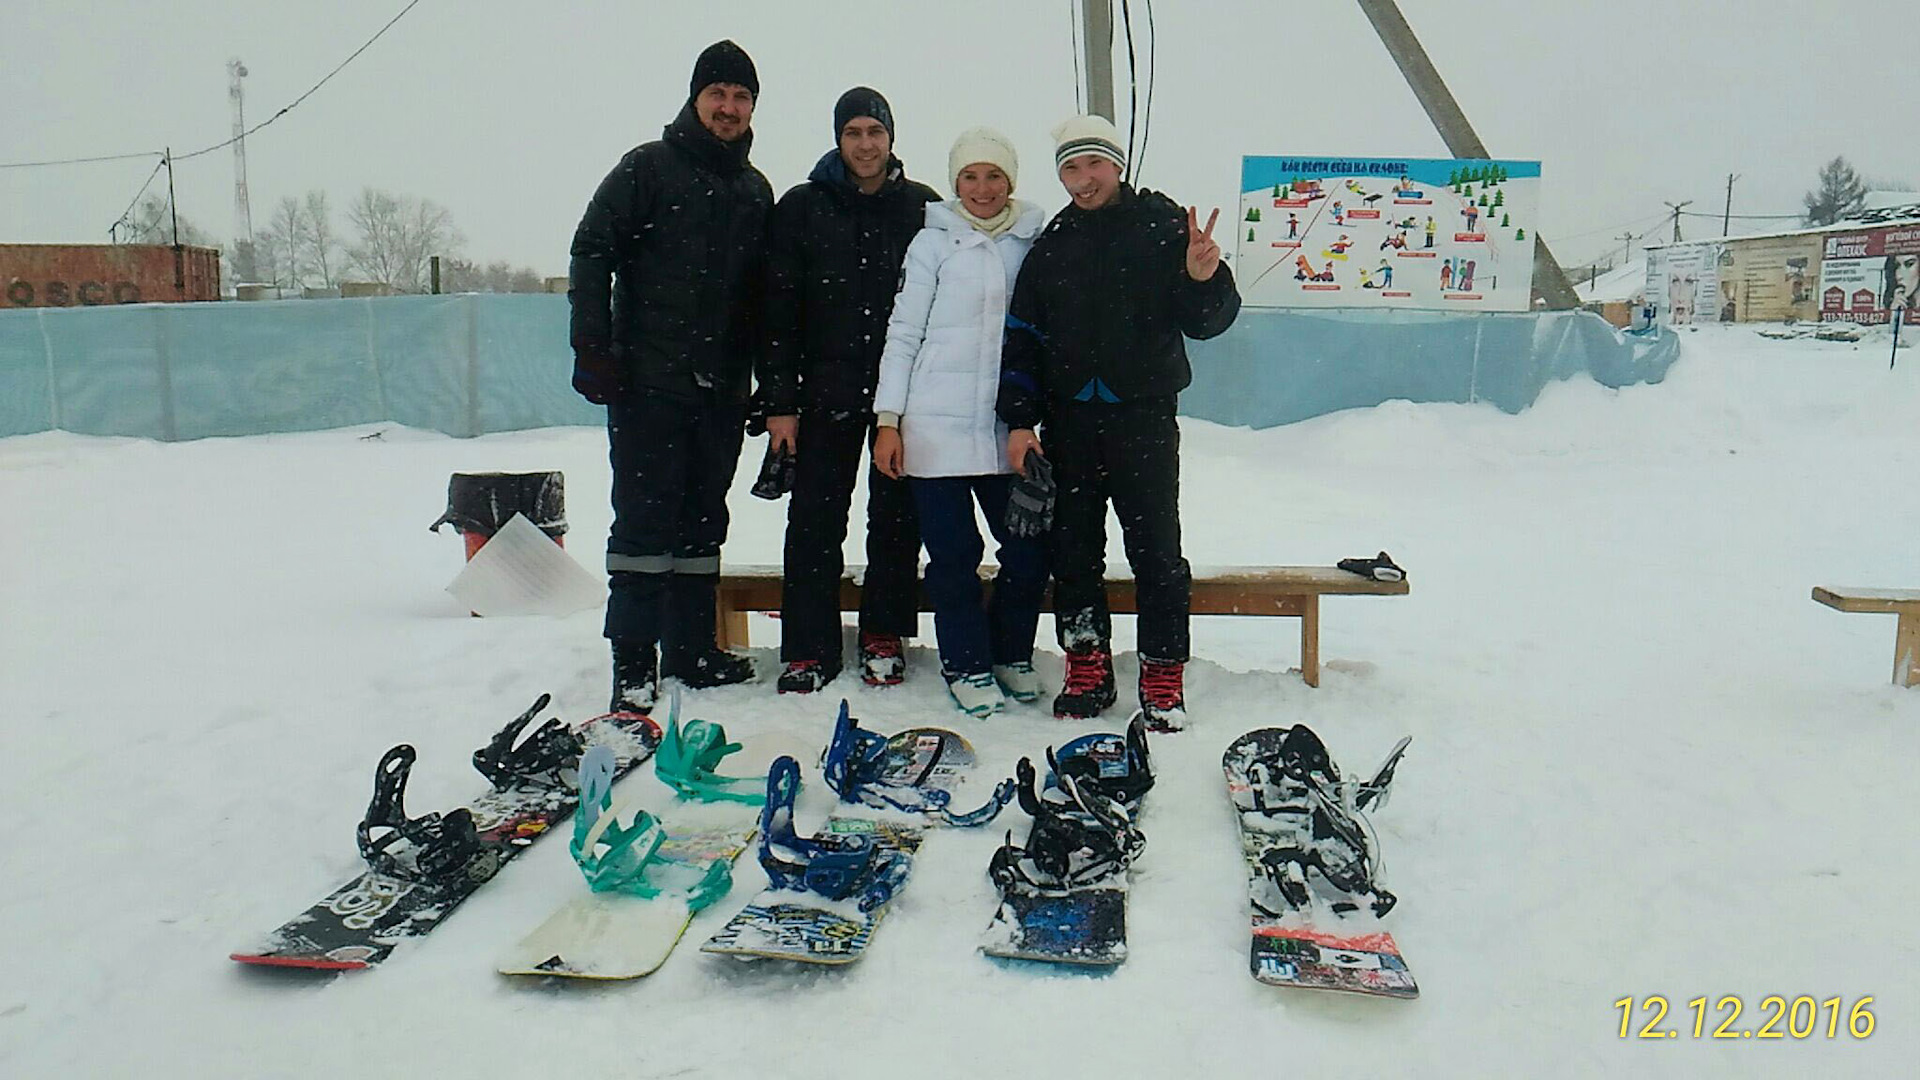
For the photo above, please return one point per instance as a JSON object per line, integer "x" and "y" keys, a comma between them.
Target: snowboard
{"x": 787, "y": 924}
{"x": 359, "y": 924}
{"x": 612, "y": 936}
{"x": 1084, "y": 925}
{"x": 1309, "y": 946}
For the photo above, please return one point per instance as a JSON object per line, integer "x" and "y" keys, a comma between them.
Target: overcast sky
{"x": 508, "y": 113}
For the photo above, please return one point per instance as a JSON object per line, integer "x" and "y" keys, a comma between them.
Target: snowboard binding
{"x": 424, "y": 849}
{"x": 688, "y": 756}
{"x": 853, "y": 867}
{"x": 543, "y": 759}
{"x": 1318, "y": 823}
{"x": 861, "y": 768}
{"x": 617, "y": 858}
{"x": 1080, "y": 837}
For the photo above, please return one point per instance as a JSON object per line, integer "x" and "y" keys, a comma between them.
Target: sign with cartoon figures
{"x": 1438, "y": 234}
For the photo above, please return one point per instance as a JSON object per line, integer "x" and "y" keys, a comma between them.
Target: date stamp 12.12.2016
{"x": 1781, "y": 1017}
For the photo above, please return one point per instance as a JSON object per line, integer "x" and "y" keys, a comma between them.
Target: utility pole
{"x": 1727, "y": 218}
{"x": 1676, "y": 208}
{"x": 1627, "y": 255}
{"x": 1548, "y": 278}
{"x": 1096, "y": 17}
{"x": 172, "y": 207}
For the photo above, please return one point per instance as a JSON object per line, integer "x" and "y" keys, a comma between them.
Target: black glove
{"x": 776, "y": 473}
{"x": 1030, "y": 503}
{"x": 1379, "y": 568}
{"x": 596, "y": 373}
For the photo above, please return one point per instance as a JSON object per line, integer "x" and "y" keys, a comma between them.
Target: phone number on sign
{"x": 1798, "y": 1018}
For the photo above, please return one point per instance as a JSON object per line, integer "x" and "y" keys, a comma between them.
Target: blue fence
{"x": 466, "y": 365}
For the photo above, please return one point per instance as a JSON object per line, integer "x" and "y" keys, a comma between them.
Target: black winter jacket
{"x": 669, "y": 263}
{"x": 1100, "y": 308}
{"x": 833, "y": 266}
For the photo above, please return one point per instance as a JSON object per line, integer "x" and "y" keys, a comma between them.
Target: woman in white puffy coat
{"x": 939, "y": 380}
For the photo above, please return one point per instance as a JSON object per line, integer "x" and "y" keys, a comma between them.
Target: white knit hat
{"x": 1088, "y": 135}
{"x": 983, "y": 145}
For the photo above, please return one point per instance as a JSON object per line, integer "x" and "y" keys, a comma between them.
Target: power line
{"x": 310, "y": 90}
{"x": 81, "y": 160}
{"x": 122, "y": 219}
{"x": 1153, "y": 76}
{"x": 197, "y": 153}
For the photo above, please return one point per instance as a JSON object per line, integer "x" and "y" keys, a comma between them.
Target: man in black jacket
{"x": 834, "y": 253}
{"x": 667, "y": 275}
{"x": 1095, "y": 352}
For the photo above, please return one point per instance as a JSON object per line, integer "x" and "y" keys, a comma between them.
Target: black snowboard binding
{"x": 425, "y": 849}
{"x": 1317, "y": 824}
{"x": 550, "y": 757}
{"x": 1079, "y": 838}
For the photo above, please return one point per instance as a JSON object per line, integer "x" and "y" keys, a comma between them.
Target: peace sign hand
{"x": 1203, "y": 252}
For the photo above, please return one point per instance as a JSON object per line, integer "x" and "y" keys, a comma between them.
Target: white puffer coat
{"x": 941, "y": 367}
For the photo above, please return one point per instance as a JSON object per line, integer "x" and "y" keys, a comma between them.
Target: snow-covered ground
{"x": 1643, "y": 760}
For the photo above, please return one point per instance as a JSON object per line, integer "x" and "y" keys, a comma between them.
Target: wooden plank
{"x": 1216, "y": 591}
{"x": 1906, "y": 650}
{"x": 1872, "y": 601}
{"x": 1310, "y": 642}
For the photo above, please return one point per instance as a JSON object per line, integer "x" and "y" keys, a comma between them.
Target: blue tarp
{"x": 466, "y": 365}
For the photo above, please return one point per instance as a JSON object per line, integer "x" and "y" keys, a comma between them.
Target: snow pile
{"x": 1643, "y": 760}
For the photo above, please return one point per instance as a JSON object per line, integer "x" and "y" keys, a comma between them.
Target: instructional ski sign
{"x": 1430, "y": 233}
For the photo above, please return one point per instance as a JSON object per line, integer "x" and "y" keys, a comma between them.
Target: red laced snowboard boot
{"x": 1163, "y": 697}
{"x": 1088, "y": 685}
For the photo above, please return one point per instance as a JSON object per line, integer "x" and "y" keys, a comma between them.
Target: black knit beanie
{"x": 862, "y": 101}
{"x": 724, "y": 62}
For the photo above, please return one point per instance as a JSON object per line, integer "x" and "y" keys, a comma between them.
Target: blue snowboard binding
{"x": 851, "y": 866}
{"x": 618, "y": 858}
{"x": 862, "y": 767}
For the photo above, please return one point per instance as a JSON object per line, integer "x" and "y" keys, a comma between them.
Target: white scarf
{"x": 993, "y": 226}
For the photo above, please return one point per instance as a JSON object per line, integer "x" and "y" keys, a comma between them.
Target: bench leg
{"x": 1906, "y": 651}
{"x": 1310, "y": 641}
{"x": 729, "y": 625}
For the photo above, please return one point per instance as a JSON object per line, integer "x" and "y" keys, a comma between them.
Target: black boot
{"x": 636, "y": 678}
{"x": 687, "y": 649}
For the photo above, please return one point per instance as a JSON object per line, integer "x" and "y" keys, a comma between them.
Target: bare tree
{"x": 152, "y": 223}
{"x": 322, "y": 247}
{"x": 279, "y": 250}
{"x": 501, "y": 276}
{"x": 396, "y": 237}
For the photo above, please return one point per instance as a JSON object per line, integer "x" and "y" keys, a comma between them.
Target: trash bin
{"x": 478, "y": 504}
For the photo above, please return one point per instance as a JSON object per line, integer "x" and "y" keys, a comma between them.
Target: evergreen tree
{"x": 1841, "y": 194}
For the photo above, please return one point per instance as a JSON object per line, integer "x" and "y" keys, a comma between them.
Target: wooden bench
{"x": 1290, "y": 591}
{"x": 1906, "y": 635}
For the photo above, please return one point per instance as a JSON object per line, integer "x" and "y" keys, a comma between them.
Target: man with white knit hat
{"x": 1095, "y": 359}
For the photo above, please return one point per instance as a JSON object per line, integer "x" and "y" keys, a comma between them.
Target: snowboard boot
{"x": 1089, "y": 684}
{"x": 977, "y": 695}
{"x": 883, "y": 662}
{"x": 1163, "y": 699}
{"x": 805, "y": 677}
{"x": 687, "y": 649}
{"x": 1019, "y": 681}
{"x": 636, "y": 678}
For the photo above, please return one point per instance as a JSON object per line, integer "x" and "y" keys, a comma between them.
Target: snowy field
{"x": 1643, "y": 760}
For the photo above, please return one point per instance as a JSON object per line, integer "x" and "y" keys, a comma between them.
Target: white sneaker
{"x": 1019, "y": 680}
{"x": 977, "y": 695}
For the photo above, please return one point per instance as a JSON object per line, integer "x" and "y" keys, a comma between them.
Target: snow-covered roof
{"x": 1627, "y": 282}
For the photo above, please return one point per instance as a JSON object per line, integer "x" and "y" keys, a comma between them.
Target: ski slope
{"x": 1643, "y": 761}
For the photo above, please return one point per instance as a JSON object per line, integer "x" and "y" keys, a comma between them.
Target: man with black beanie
{"x": 834, "y": 254}
{"x": 667, "y": 292}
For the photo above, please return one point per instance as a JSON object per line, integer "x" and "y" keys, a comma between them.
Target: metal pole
{"x": 1548, "y": 278}
{"x": 435, "y": 265}
{"x": 1726, "y": 219}
{"x": 1097, "y": 47}
{"x": 172, "y": 207}
{"x": 1676, "y": 208}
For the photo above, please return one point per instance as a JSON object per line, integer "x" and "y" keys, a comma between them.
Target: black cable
{"x": 1073, "y": 28}
{"x": 236, "y": 138}
{"x": 80, "y": 160}
{"x": 122, "y": 219}
{"x": 1153, "y": 76}
{"x": 1133, "y": 89}
{"x": 296, "y": 101}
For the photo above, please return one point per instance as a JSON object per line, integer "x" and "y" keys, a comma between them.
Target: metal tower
{"x": 243, "y": 259}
